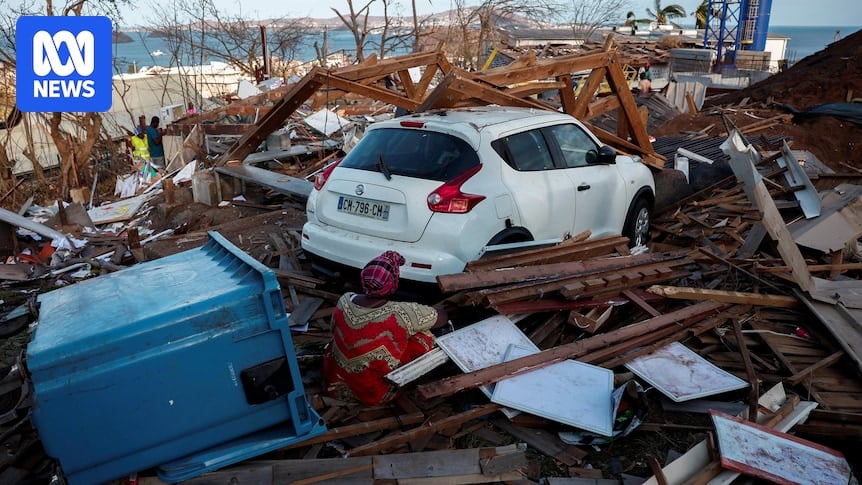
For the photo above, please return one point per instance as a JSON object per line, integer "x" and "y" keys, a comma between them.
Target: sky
{"x": 784, "y": 12}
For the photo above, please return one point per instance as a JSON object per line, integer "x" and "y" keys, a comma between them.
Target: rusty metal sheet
{"x": 681, "y": 374}
{"x": 781, "y": 458}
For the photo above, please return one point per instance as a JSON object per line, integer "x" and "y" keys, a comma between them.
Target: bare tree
{"x": 356, "y": 20}
{"x": 197, "y": 31}
{"x": 487, "y": 15}
{"x": 586, "y": 16}
{"x": 74, "y": 134}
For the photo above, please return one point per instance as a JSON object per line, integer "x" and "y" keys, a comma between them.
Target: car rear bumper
{"x": 354, "y": 250}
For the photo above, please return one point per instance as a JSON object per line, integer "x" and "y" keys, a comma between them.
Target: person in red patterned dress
{"x": 372, "y": 336}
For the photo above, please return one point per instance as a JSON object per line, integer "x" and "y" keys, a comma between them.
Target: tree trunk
{"x": 75, "y": 154}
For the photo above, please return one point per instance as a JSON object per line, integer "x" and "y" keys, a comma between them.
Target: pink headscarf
{"x": 380, "y": 275}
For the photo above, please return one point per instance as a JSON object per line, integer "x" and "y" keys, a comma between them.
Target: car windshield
{"x": 412, "y": 153}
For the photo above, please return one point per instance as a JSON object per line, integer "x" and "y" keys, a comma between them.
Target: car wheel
{"x": 637, "y": 223}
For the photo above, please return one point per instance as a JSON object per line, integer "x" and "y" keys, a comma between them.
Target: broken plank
{"x": 738, "y": 297}
{"x": 640, "y": 302}
{"x": 494, "y": 373}
{"x": 396, "y": 439}
{"x": 444, "y": 463}
{"x": 485, "y": 277}
{"x": 544, "y": 441}
{"x": 340, "y": 432}
{"x": 302, "y": 312}
{"x": 809, "y": 371}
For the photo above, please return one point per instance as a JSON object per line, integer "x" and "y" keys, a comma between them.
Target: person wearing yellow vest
{"x": 141, "y": 154}
{"x": 140, "y": 147}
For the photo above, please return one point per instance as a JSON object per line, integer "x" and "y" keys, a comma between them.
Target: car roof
{"x": 469, "y": 123}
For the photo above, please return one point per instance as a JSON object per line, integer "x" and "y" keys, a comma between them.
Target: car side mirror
{"x": 607, "y": 155}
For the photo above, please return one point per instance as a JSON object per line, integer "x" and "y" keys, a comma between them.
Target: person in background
{"x": 140, "y": 147}
{"x": 154, "y": 139}
{"x": 372, "y": 335}
{"x": 191, "y": 110}
{"x": 142, "y": 123}
{"x": 647, "y": 72}
{"x": 644, "y": 84}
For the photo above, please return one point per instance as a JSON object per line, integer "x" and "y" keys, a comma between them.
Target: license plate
{"x": 365, "y": 208}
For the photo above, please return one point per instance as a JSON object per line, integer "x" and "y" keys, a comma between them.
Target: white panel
{"x": 483, "y": 344}
{"x": 681, "y": 374}
{"x": 568, "y": 392}
{"x": 779, "y": 457}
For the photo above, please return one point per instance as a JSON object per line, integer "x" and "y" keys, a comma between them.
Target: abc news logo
{"x": 64, "y": 64}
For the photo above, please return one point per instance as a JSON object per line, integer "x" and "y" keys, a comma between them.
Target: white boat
{"x": 157, "y": 53}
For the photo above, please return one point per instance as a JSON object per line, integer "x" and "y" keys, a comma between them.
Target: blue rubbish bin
{"x": 183, "y": 363}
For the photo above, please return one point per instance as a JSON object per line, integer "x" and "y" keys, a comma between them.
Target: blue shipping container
{"x": 185, "y": 362}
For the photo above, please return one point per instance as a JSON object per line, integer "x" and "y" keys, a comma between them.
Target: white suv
{"x": 440, "y": 186}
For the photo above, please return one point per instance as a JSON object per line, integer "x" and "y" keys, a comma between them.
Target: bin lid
{"x": 148, "y": 298}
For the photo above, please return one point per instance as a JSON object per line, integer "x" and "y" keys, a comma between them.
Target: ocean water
{"x": 144, "y": 50}
{"x": 805, "y": 40}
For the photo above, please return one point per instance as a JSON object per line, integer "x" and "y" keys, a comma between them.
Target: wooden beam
{"x": 521, "y": 274}
{"x": 479, "y": 93}
{"x": 567, "y": 93}
{"x": 592, "y": 84}
{"x": 488, "y": 375}
{"x": 273, "y": 120}
{"x": 387, "y": 66}
{"x": 373, "y": 92}
{"x": 754, "y": 387}
{"x": 809, "y": 371}
{"x": 544, "y": 68}
{"x": 740, "y": 297}
{"x": 400, "y": 438}
{"x": 640, "y": 302}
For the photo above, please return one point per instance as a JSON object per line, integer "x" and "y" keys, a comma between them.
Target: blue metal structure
{"x": 185, "y": 363}
{"x": 733, "y": 25}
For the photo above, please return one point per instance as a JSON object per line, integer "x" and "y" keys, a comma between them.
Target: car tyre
{"x": 638, "y": 223}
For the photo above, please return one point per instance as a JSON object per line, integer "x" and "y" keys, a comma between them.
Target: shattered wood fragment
{"x": 632, "y": 348}
{"x": 808, "y": 372}
{"x": 640, "y": 302}
{"x": 302, "y": 313}
{"x": 430, "y": 428}
{"x": 550, "y": 326}
{"x": 452, "y": 385}
{"x": 754, "y": 387}
{"x": 814, "y": 268}
{"x": 564, "y": 251}
{"x": 544, "y": 441}
{"x": 335, "y": 433}
{"x": 740, "y": 297}
{"x": 539, "y": 306}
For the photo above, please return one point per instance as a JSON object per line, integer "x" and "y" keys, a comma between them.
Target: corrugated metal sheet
{"x": 676, "y": 94}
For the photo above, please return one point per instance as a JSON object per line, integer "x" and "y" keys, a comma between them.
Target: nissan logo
{"x": 360, "y": 189}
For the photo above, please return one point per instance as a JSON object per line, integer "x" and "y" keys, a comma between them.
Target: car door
{"x": 601, "y": 198}
{"x": 544, "y": 199}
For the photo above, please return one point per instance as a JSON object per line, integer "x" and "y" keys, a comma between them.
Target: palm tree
{"x": 632, "y": 21}
{"x": 700, "y": 15}
{"x": 662, "y": 15}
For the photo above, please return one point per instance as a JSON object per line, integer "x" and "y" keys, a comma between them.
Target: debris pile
{"x": 737, "y": 324}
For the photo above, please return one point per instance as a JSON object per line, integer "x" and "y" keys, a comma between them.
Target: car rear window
{"x": 412, "y": 153}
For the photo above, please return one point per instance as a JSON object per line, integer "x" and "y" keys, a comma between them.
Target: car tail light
{"x": 449, "y": 198}
{"x": 323, "y": 176}
{"x": 413, "y": 124}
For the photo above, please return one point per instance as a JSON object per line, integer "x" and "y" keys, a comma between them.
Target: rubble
{"x": 738, "y": 276}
